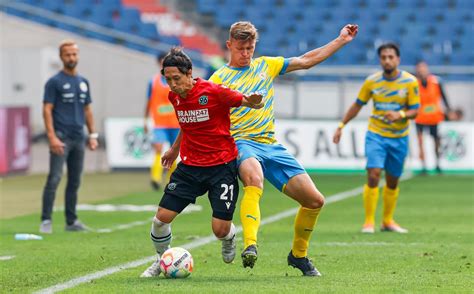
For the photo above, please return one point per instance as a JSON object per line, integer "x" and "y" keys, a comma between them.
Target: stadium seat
{"x": 375, "y": 4}
{"x": 311, "y": 14}
{"x": 461, "y": 59}
{"x": 149, "y": 31}
{"x": 129, "y": 14}
{"x": 409, "y": 57}
{"x": 74, "y": 10}
{"x": 171, "y": 40}
{"x": 405, "y": 4}
{"x": 113, "y": 4}
{"x": 102, "y": 15}
{"x": 435, "y": 29}
{"x": 345, "y": 5}
{"x": 255, "y": 15}
{"x": 30, "y": 2}
{"x": 465, "y": 4}
{"x": 51, "y": 5}
{"x": 206, "y": 6}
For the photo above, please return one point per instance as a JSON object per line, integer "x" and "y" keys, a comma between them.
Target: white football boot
{"x": 228, "y": 250}
{"x": 393, "y": 227}
{"x": 153, "y": 270}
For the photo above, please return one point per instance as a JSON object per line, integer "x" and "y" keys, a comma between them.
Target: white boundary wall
{"x": 310, "y": 142}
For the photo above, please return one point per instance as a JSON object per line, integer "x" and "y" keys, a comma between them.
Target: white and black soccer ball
{"x": 176, "y": 262}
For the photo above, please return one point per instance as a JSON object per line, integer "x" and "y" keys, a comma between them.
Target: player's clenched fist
{"x": 254, "y": 100}
{"x": 349, "y": 32}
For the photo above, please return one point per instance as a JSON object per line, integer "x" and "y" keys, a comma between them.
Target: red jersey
{"x": 204, "y": 118}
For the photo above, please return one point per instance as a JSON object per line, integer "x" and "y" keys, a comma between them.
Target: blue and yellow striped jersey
{"x": 247, "y": 123}
{"x": 400, "y": 93}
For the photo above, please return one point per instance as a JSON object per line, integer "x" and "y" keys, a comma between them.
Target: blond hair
{"x": 243, "y": 31}
{"x": 65, "y": 43}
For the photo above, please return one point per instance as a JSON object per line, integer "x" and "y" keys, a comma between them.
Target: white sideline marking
{"x": 113, "y": 207}
{"x": 109, "y": 207}
{"x": 7, "y": 257}
{"x": 122, "y": 226}
{"x": 130, "y": 207}
{"x": 197, "y": 243}
{"x": 358, "y": 244}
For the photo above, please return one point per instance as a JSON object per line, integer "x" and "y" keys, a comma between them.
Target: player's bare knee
{"x": 374, "y": 178}
{"x": 392, "y": 186}
{"x": 320, "y": 201}
{"x": 164, "y": 216}
{"x": 315, "y": 202}
{"x": 220, "y": 231}
{"x": 392, "y": 183}
{"x": 373, "y": 182}
{"x": 253, "y": 180}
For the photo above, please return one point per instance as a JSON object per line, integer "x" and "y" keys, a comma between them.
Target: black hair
{"x": 177, "y": 58}
{"x": 389, "y": 46}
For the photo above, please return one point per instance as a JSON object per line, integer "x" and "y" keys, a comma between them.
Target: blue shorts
{"x": 278, "y": 165}
{"x": 386, "y": 153}
{"x": 163, "y": 135}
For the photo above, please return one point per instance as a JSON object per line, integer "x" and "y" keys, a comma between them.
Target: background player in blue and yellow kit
{"x": 396, "y": 100}
{"x": 259, "y": 153}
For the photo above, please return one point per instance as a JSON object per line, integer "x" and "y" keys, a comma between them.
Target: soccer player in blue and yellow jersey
{"x": 396, "y": 100}
{"x": 260, "y": 155}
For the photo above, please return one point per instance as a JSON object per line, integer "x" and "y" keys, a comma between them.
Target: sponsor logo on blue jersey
{"x": 387, "y": 106}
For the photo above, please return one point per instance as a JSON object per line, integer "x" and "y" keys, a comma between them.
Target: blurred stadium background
{"x": 118, "y": 41}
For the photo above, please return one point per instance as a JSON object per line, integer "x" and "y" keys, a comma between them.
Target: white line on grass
{"x": 7, "y": 257}
{"x": 122, "y": 226}
{"x": 196, "y": 243}
{"x": 128, "y": 207}
{"x": 358, "y": 244}
{"x": 109, "y": 207}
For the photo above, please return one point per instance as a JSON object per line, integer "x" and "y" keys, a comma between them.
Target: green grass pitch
{"x": 436, "y": 256}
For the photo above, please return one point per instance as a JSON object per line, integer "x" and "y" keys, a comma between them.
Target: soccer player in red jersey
{"x": 208, "y": 155}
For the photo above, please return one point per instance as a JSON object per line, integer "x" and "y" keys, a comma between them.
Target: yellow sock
{"x": 157, "y": 169}
{"x": 371, "y": 195}
{"x": 250, "y": 214}
{"x": 305, "y": 222}
{"x": 170, "y": 171}
{"x": 390, "y": 197}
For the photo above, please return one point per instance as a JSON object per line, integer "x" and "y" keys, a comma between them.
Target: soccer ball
{"x": 176, "y": 262}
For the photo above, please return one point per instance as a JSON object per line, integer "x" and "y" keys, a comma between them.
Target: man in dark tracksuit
{"x": 66, "y": 108}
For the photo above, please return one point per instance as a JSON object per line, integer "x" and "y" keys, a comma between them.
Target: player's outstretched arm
{"x": 170, "y": 155}
{"x": 318, "y": 55}
{"x": 350, "y": 114}
{"x": 253, "y": 100}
